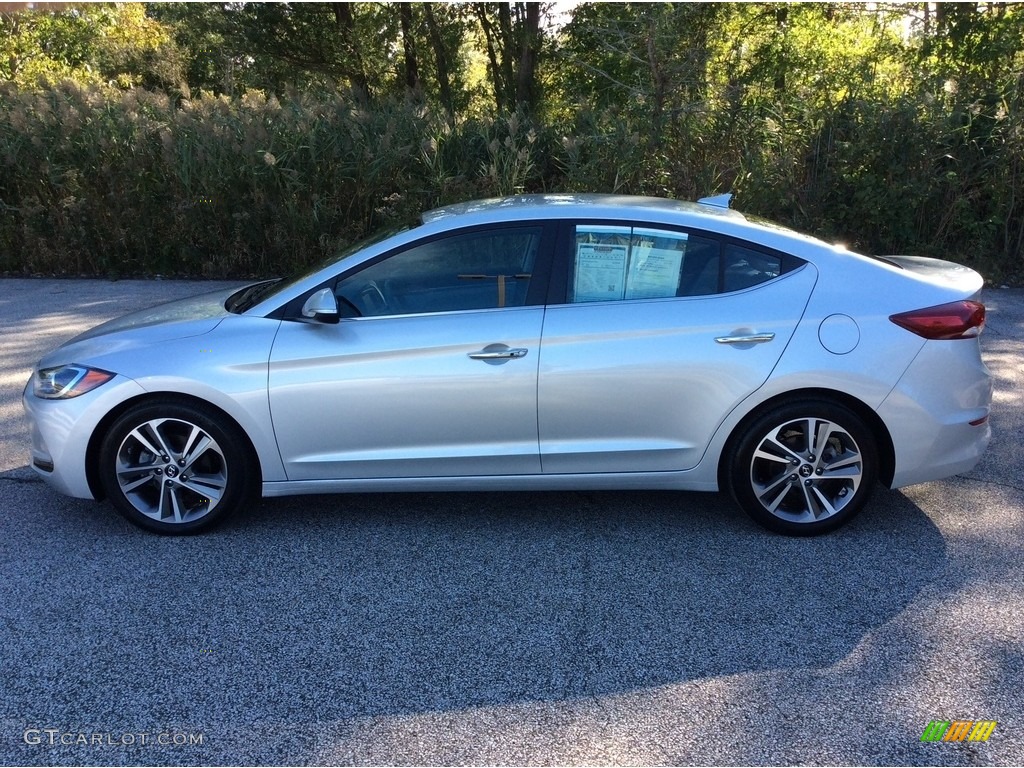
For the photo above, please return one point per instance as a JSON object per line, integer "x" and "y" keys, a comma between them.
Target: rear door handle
{"x": 501, "y": 354}
{"x": 754, "y": 338}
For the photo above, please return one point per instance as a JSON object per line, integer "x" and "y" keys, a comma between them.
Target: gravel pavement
{"x": 508, "y": 628}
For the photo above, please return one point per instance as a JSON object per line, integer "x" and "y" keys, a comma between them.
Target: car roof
{"x": 577, "y": 204}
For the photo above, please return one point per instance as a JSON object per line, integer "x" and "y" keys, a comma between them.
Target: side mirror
{"x": 321, "y": 306}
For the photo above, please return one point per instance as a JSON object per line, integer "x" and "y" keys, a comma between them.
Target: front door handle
{"x": 499, "y": 354}
{"x": 754, "y": 338}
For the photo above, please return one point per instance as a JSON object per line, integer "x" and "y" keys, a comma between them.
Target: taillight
{"x": 956, "y": 320}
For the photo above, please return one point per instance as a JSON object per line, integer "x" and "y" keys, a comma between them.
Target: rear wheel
{"x": 804, "y": 468}
{"x": 174, "y": 468}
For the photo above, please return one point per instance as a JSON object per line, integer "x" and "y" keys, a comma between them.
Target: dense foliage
{"x": 251, "y": 139}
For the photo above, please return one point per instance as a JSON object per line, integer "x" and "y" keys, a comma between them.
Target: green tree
{"x": 199, "y": 31}
{"x": 94, "y": 43}
{"x": 373, "y": 50}
{"x": 513, "y": 41}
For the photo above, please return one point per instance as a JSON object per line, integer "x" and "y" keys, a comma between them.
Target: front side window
{"x": 476, "y": 270}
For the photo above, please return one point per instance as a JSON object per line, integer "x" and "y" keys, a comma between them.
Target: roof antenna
{"x": 718, "y": 201}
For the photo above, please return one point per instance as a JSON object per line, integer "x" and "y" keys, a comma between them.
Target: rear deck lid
{"x": 947, "y": 274}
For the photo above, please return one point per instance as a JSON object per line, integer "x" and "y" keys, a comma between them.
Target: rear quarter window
{"x": 745, "y": 267}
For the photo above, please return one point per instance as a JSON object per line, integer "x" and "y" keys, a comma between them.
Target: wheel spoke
{"x": 172, "y": 492}
{"x": 160, "y": 505}
{"x": 210, "y": 489}
{"x": 817, "y": 435}
{"x": 852, "y": 460}
{"x": 141, "y": 438}
{"x": 824, "y": 502}
{"x": 772, "y": 505}
{"x": 165, "y": 449}
{"x": 764, "y": 489}
{"x": 190, "y": 457}
{"x": 126, "y": 487}
{"x": 810, "y": 435}
{"x": 213, "y": 482}
{"x": 772, "y": 442}
{"x": 135, "y": 470}
{"x": 195, "y": 433}
{"x": 811, "y": 512}
{"x": 761, "y": 454}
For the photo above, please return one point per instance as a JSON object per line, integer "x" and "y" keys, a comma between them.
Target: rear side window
{"x": 615, "y": 263}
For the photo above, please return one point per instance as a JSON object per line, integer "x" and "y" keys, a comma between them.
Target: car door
{"x": 434, "y": 373}
{"x": 663, "y": 332}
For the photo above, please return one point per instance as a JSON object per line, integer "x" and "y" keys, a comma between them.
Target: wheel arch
{"x": 886, "y": 451}
{"x": 92, "y": 469}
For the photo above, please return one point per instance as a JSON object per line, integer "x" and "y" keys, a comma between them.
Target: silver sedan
{"x": 535, "y": 342}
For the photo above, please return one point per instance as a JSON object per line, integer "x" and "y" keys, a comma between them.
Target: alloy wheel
{"x": 806, "y": 470}
{"x": 171, "y": 470}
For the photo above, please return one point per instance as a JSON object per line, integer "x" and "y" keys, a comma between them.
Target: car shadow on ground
{"x": 578, "y": 594}
{"x": 329, "y": 608}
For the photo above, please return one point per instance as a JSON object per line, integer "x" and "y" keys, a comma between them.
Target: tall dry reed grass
{"x": 99, "y": 181}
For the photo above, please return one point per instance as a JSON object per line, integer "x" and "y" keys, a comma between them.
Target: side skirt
{"x": 679, "y": 481}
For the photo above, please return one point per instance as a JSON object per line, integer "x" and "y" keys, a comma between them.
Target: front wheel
{"x": 173, "y": 468}
{"x": 804, "y": 468}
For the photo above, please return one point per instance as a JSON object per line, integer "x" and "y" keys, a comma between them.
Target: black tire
{"x": 802, "y": 487}
{"x": 175, "y": 468}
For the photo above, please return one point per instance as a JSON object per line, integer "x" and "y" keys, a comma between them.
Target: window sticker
{"x": 615, "y": 263}
{"x": 654, "y": 263}
{"x": 600, "y": 272}
{"x": 602, "y": 254}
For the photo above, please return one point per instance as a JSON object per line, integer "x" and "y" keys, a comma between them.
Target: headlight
{"x": 67, "y": 381}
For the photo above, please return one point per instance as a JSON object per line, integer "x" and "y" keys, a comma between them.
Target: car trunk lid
{"x": 946, "y": 274}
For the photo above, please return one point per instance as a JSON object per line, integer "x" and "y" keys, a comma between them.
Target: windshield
{"x": 252, "y": 295}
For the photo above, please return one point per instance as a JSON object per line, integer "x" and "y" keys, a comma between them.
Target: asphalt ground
{"x": 513, "y": 628}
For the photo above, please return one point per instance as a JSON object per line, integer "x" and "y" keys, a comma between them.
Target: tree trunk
{"x": 526, "y": 86}
{"x": 357, "y": 72}
{"x": 781, "y": 18}
{"x": 492, "y": 56}
{"x": 440, "y": 61}
{"x": 507, "y": 41}
{"x": 659, "y": 81}
{"x": 412, "y": 71}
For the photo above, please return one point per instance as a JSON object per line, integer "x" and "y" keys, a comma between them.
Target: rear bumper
{"x": 938, "y": 413}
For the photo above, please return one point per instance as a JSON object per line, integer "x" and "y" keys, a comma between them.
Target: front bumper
{"x": 61, "y": 431}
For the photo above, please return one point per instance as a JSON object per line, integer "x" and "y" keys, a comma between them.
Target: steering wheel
{"x": 373, "y": 297}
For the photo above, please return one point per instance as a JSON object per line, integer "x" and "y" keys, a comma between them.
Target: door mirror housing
{"x": 321, "y": 307}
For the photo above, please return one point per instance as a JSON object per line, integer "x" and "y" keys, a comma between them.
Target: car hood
{"x": 176, "y": 317}
{"x": 179, "y": 319}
